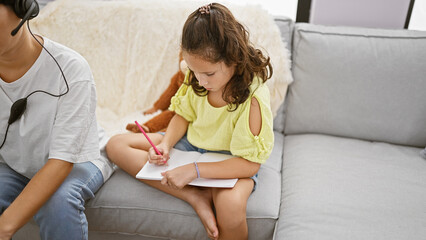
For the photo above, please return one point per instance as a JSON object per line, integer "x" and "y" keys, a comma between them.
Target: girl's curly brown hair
{"x": 217, "y": 36}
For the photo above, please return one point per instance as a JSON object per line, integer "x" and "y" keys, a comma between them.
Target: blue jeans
{"x": 62, "y": 216}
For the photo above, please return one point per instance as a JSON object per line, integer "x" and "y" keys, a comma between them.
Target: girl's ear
{"x": 183, "y": 66}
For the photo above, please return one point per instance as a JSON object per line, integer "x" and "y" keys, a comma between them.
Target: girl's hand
{"x": 154, "y": 158}
{"x": 179, "y": 177}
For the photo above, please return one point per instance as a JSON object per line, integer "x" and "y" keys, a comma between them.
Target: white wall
{"x": 389, "y": 14}
{"x": 289, "y": 8}
{"x": 418, "y": 17}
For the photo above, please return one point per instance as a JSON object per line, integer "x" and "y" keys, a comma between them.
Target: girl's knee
{"x": 231, "y": 218}
{"x": 113, "y": 145}
{"x": 230, "y": 208}
{"x": 234, "y": 208}
{"x": 114, "y": 141}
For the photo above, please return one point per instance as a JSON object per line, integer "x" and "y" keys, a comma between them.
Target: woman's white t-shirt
{"x": 62, "y": 128}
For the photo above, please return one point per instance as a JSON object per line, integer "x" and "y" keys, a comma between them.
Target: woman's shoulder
{"x": 72, "y": 63}
{"x": 260, "y": 90}
{"x": 59, "y": 50}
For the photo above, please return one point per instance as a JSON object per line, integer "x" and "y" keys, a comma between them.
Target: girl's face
{"x": 211, "y": 76}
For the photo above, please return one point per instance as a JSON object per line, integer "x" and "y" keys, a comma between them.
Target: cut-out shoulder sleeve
{"x": 181, "y": 102}
{"x": 244, "y": 143}
{"x": 255, "y": 117}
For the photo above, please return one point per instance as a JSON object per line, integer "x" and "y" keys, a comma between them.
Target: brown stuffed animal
{"x": 161, "y": 121}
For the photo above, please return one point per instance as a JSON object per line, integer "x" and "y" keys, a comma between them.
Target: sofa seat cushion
{"x": 340, "y": 188}
{"x": 125, "y": 205}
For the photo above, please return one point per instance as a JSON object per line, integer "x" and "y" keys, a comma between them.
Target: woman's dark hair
{"x": 8, "y": 2}
{"x": 212, "y": 33}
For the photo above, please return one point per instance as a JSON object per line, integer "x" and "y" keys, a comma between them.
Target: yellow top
{"x": 217, "y": 129}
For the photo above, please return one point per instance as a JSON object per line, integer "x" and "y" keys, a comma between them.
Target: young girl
{"x": 223, "y": 105}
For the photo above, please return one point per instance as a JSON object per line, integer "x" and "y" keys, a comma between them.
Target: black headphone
{"x": 27, "y": 10}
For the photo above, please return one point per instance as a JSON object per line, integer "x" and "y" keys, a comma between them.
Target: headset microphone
{"x": 31, "y": 13}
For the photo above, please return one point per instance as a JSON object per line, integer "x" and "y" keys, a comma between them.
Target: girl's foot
{"x": 202, "y": 203}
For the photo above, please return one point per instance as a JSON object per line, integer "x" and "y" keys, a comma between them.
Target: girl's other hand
{"x": 154, "y": 158}
{"x": 179, "y": 177}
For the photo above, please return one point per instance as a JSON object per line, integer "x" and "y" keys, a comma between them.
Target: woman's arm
{"x": 39, "y": 189}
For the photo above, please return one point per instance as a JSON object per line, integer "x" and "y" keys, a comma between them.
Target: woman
{"x": 50, "y": 161}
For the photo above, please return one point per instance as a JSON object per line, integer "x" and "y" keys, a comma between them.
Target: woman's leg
{"x": 129, "y": 152}
{"x": 231, "y": 205}
{"x": 62, "y": 217}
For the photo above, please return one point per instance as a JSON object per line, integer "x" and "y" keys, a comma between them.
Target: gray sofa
{"x": 346, "y": 161}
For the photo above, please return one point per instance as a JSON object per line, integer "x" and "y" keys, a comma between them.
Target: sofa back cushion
{"x": 286, "y": 26}
{"x": 359, "y": 83}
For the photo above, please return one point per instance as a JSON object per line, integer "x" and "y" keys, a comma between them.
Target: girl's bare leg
{"x": 201, "y": 201}
{"x": 129, "y": 152}
{"x": 231, "y": 205}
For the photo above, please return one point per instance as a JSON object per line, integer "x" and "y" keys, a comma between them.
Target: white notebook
{"x": 180, "y": 158}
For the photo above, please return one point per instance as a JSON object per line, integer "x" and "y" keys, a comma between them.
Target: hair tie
{"x": 205, "y": 9}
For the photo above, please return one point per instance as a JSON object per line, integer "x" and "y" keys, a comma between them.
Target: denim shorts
{"x": 184, "y": 145}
